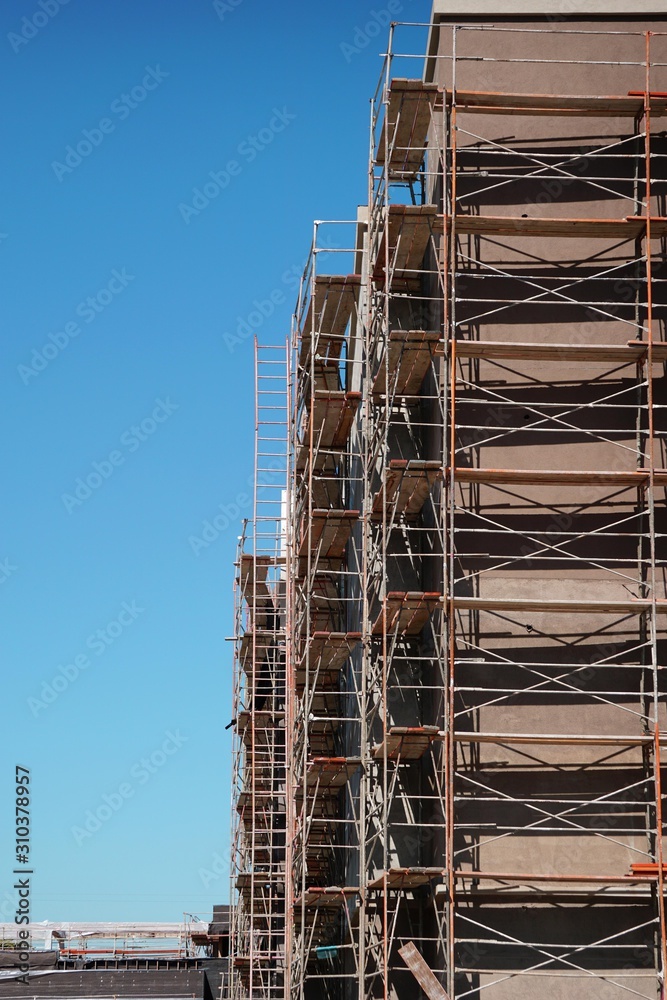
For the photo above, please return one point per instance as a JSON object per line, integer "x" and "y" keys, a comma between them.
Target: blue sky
{"x": 128, "y": 418}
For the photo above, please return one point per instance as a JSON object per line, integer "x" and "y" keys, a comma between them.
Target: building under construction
{"x": 450, "y": 598}
{"x": 156, "y": 961}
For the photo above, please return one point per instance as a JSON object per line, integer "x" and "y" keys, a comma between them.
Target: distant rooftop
{"x": 46, "y": 934}
{"x": 157, "y": 984}
{"x": 631, "y": 8}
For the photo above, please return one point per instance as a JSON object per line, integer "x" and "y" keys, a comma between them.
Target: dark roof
{"x": 9, "y": 959}
{"x": 220, "y": 922}
{"x": 154, "y": 983}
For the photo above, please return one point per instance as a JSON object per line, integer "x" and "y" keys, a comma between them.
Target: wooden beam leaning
{"x": 422, "y": 973}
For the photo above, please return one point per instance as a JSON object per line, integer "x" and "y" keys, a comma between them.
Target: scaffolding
{"x": 476, "y": 524}
{"x": 259, "y": 794}
{"x": 102, "y": 942}
{"x": 324, "y": 692}
{"x": 539, "y": 572}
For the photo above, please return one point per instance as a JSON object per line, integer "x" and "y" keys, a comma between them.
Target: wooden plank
{"x": 329, "y": 534}
{"x": 410, "y": 353}
{"x": 326, "y": 773}
{"x": 334, "y": 896}
{"x": 514, "y": 877}
{"x": 408, "y": 120}
{"x": 628, "y": 353}
{"x": 407, "y": 484}
{"x": 493, "y": 102}
{"x": 330, "y": 308}
{"x": 253, "y": 577}
{"x": 406, "y": 878}
{"x": 422, "y": 973}
{"x": 328, "y": 654}
{"x": 406, "y": 742}
{"x": 505, "y": 225}
{"x": 333, "y": 415}
{"x": 548, "y": 477}
{"x": 635, "y": 607}
{"x": 551, "y": 739}
{"x": 408, "y": 231}
{"x": 488, "y": 102}
{"x": 658, "y": 348}
{"x": 258, "y": 726}
{"x": 406, "y": 613}
{"x": 326, "y": 611}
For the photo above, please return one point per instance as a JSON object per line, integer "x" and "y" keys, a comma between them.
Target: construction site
{"x": 170, "y": 961}
{"x": 450, "y": 598}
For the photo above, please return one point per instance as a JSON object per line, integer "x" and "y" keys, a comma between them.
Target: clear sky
{"x": 128, "y": 417}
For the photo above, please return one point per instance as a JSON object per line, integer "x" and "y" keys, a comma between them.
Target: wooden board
{"x": 406, "y": 613}
{"x": 332, "y": 305}
{"x": 406, "y": 742}
{"x": 622, "y": 354}
{"x": 332, "y": 415}
{"x": 253, "y": 576}
{"x": 330, "y": 309}
{"x": 406, "y": 878}
{"x": 635, "y": 607}
{"x": 327, "y": 654}
{"x": 552, "y": 739}
{"x": 409, "y": 115}
{"x": 546, "y": 477}
{"x": 328, "y": 896}
{"x": 407, "y": 483}
{"x": 408, "y": 231}
{"x": 514, "y": 877}
{"x": 259, "y": 728}
{"x": 329, "y": 533}
{"x": 330, "y": 773}
{"x": 422, "y": 973}
{"x": 489, "y": 102}
{"x": 409, "y": 356}
{"x": 609, "y": 229}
